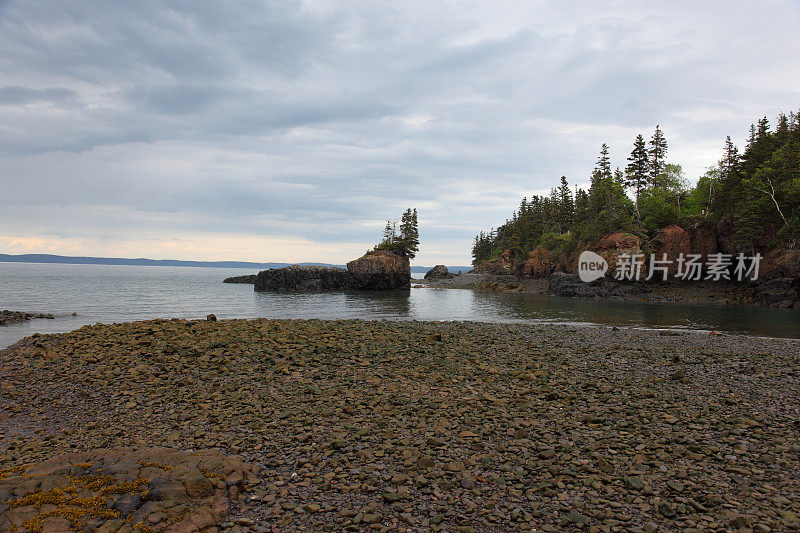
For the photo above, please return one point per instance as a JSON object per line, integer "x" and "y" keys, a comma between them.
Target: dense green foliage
{"x": 402, "y": 240}
{"x": 755, "y": 195}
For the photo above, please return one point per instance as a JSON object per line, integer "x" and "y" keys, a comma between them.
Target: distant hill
{"x": 47, "y": 258}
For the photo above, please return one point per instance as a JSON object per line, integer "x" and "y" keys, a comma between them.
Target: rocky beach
{"x": 270, "y": 425}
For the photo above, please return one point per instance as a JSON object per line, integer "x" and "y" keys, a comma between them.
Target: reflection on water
{"x": 99, "y": 293}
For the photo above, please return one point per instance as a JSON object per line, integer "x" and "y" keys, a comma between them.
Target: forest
{"x": 753, "y": 195}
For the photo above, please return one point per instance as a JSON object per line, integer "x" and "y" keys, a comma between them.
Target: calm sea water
{"x": 107, "y": 294}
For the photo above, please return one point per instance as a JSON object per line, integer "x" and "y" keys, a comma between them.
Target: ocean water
{"x": 107, "y": 294}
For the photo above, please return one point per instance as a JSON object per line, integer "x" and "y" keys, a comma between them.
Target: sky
{"x": 290, "y": 131}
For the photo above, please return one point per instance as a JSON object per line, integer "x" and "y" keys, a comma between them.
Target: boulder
{"x": 380, "y": 270}
{"x": 539, "y": 264}
{"x": 297, "y": 278}
{"x": 438, "y": 272}
{"x": 671, "y": 241}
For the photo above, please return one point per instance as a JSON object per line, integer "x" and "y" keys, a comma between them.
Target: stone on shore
{"x": 358, "y": 425}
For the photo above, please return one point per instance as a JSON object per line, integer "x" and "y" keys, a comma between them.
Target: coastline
{"x": 457, "y": 426}
{"x": 673, "y": 292}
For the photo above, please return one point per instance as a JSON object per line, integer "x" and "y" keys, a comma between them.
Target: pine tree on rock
{"x": 407, "y": 242}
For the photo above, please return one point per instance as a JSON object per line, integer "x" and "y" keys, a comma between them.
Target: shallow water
{"x": 101, "y": 293}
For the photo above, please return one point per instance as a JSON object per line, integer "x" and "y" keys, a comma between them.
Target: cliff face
{"x": 380, "y": 270}
{"x": 503, "y": 266}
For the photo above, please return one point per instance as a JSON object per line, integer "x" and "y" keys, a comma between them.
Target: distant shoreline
{"x": 120, "y": 261}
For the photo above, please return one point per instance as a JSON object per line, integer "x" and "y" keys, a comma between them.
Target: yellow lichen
{"x": 7, "y": 472}
{"x": 77, "y": 509}
{"x": 157, "y": 465}
{"x": 211, "y": 474}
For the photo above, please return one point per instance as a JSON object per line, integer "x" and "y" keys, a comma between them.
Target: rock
{"x": 455, "y": 466}
{"x": 248, "y": 279}
{"x": 12, "y": 317}
{"x": 128, "y": 503}
{"x": 305, "y": 278}
{"x": 671, "y": 242}
{"x": 782, "y": 263}
{"x": 539, "y": 264}
{"x": 380, "y": 270}
{"x": 196, "y": 484}
{"x": 438, "y": 272}
{"x": 610, "y": 247}
{"x": 162, "y": 489}
{"x": 703, "y": 238}
{"x": 570, "y": 285}
{"x": 678, "y": 375}
{"x": 377, "y": 270}
{"x": 504, "y": 265}
{"x": 211, "y": 318}
{"x": 634, "y": 483}
{"x": 739, "y": 522}
{"x": 666, "y": 509}
{"x": 577, "y": 518}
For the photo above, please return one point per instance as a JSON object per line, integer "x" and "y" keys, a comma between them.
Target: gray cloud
{"x": 314, "y": 121}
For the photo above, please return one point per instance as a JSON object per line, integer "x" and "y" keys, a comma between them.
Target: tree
{"x": 638, "y": 170}
{"x": 657, "y": 154}
{"x": 407, "y": 242}
{"x": 566, "y": 205}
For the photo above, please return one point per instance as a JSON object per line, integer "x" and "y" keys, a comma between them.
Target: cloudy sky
{"x": 290, "y": 130}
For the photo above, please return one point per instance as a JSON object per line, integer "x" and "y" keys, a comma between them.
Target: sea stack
{"x": 376, "y": 270}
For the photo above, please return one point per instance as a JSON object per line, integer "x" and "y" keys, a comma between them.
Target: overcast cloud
{"x": 289, "y": 131}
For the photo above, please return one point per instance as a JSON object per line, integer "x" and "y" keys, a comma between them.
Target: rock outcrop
{"x": 297, "y": 278}
{"x": 570, "y": 285}
{"x": 377, "y": 270}
{"x": 672, "y": 241}
{"x": 438, "y": 272}
{"x": 111, "y": 489}
{"x": 505, "y": 265}
{"x": 539, "y": 264}
{"x": 610, "y": 247}
{"x": 380, "y": 270}
{"x": 703, "y": 239}
{"x": 12, "y": 317}
{"x": 246, "y": 279}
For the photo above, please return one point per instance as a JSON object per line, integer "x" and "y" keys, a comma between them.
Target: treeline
{"x": 755, "y": 194}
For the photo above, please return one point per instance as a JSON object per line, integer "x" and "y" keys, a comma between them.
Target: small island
{"x": 386, "y": 267}
{"x": 14, "y": 317}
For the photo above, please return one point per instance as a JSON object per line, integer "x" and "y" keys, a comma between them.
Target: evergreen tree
{"x": 407, "y": 242}
{"x": 566, "y": 205}
{"x": 637, "y": 172}
{"x": 657, "y": 154}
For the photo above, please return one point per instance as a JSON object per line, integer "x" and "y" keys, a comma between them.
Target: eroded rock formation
{"x": 377, "y": 270}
